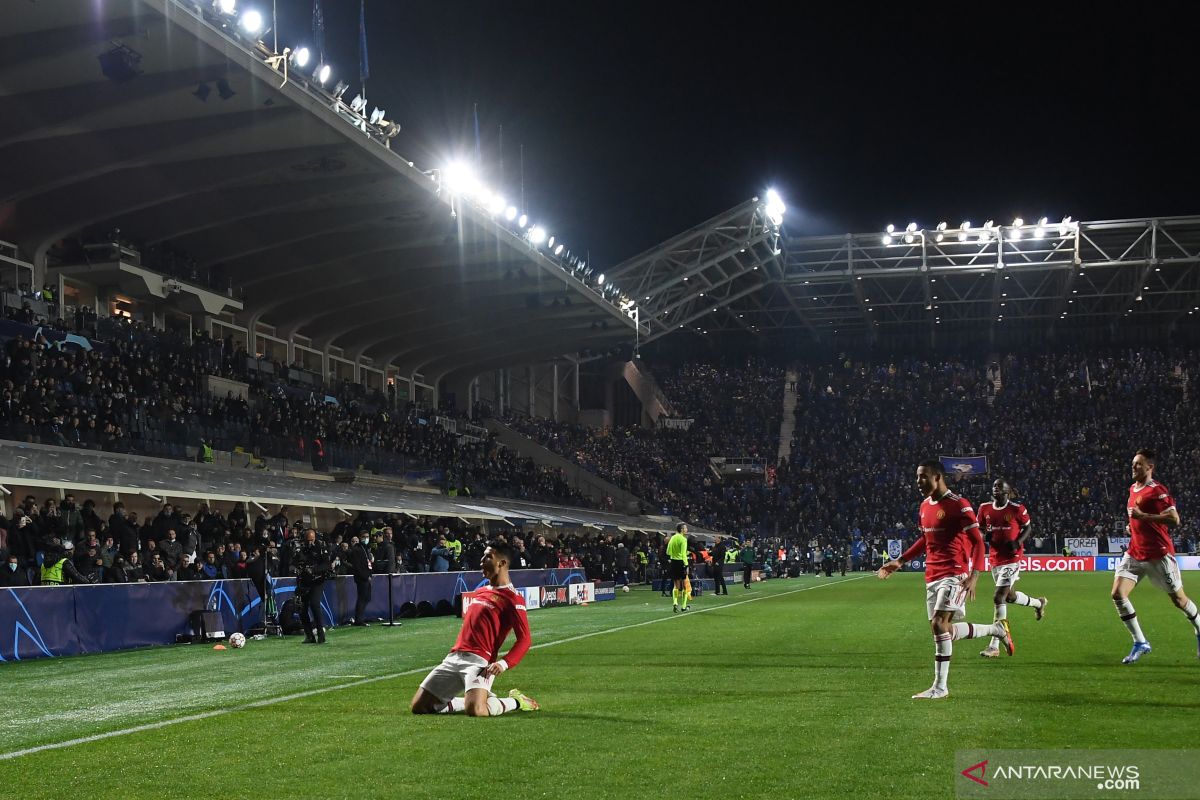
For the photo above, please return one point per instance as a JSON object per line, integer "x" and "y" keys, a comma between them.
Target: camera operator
{"x": 313, "y": 563}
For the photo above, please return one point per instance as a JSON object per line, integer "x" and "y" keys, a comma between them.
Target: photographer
{"x": 313, "y": 563}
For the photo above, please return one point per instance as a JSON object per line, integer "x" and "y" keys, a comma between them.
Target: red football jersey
{"x": 1149, "y": 540}
{"x": 951, "y": 540}
{"x": 1002, "y": 527}
{"x": 493, "y": 612}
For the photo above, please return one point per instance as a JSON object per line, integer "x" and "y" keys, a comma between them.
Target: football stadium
{"x": 334, "y": 421}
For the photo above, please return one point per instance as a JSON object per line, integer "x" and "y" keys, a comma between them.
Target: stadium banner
{"x": 581, "y": 593}
{"x": 895, "y": 548}
{"x": 964, "y": 465}
{"x": 1052, "y": 563}
{"x": 1082, "y": 545}
{"x": 1117, "y": 545}
{"x": 47, "y": 621}
{"x": 1188, "y": 562}
{"x": 533, "y": 597}
{"x": 1107, "y": 563}
{"x": 554, "y": 596}
{"x": 916, "y": 565}
{"x": 606, "y": 590}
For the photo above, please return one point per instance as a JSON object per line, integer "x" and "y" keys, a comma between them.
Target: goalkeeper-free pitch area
{"x": 801, "y": 692}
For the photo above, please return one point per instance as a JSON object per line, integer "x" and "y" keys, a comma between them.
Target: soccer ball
{"x": 237, "y": 641}
{"x": 625, "y": 588}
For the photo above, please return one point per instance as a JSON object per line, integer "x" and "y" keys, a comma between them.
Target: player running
{"x": 472, "y": 664}
{"x": 953, "y": 551}
{"x": 1151, "y": 553}
{"x": 677, "y": 561}
{"x": 1006, "y": 526}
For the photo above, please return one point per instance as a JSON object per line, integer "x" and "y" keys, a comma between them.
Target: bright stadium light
{"x": 941, "y": 226}
{"x": 459, "y": 179}
{"x": 550, "y": 242}
{"x": 1018, "y": 222}
{"x": 510, "y": 213}
{"x": 537, "y": 234}
{"x": 775, "y": 207}
{"x": 1014, "y": 234}
{"x": 300, "y": 57}
{"x": 252, "y": 22}
{"x": 908, "y": 238}
{"x": 1039, "y": 232}
{"x": 321, "y": 74}
{"x": 887, "y": 238}
{"x": 912, "y": 226}
{"x": 496, "y": 204}
{"x": 522, "y": 221}
{"x": 939, "y": 237}
{"x": 226, "y": 6}
{"x": 890, "y": 228}
{"x": 558, "y": 250}
{"x": 600, "y": 279}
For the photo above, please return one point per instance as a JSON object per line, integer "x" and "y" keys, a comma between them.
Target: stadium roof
{"x": 148, "y": 116}
{"x": 92, "y": 471}
{"x": 1025, "y": 282}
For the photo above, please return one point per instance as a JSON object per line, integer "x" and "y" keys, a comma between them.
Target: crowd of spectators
{"x": 1061, "y": 427}
{"x": 735, "y": 412}
{"x": 144, "y": 391}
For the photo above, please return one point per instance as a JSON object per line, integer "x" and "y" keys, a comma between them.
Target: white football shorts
{"x": 458, "y": 673}
{"x": 947, "y": 594}
{"x": 1006, "y": 575}
{"x": 1163, "y": 572}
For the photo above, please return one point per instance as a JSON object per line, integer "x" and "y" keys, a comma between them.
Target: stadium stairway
{"x": 586, "y": 482}
{"x": 789, "y": 417}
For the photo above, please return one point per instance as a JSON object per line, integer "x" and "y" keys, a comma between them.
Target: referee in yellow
{"x": 677, "y": 565}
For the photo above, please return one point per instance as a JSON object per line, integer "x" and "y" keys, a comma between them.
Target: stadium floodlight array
{"x": 967, "y": 234}
{"x": 460, "y": 180}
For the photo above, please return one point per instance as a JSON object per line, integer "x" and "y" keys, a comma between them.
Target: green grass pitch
{"x": 801, "y": 692}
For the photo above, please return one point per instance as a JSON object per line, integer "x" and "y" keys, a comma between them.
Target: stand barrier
{"x": 48, "y": 621}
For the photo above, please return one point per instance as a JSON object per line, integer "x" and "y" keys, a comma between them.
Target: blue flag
{"x": 364, "y": 68}
{"x": 318, "y": 23}
{"x": 964, "y": 465}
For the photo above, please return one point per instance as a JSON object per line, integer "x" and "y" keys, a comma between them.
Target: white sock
{"x": 1192, "y": 615}
{"x": 500, "y": 705}
{"x": 1129, "y": 617}
{"x": 969, "y": 630}
{"x": 1025, "y": 600}
{"x": 456, "y": 706}
{"x": 943, "y": 646}
{"x": 1001, "y": 613}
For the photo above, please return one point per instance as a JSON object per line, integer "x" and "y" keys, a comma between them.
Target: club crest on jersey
{"x": 941, "y": 513}
{"x": 1008, "y": 517}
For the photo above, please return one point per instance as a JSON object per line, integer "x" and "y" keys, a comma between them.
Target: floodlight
{"x": 377, "y": 115}
{"x": 1018, "y": 222}
{"x": 495, "y": 205}
{"x": 226, "y": 6}
{"x": 460, "y": 179}
{"x": 775, "y": 207}
{"x": 600, "y": 280}
{"x": 908, "y": 238}
{"x": 339, "y": 89}
{"x": 252, "y": 22}
{"x": 891, "y": 228}
{"x": 887, "y": 238}
{"x": 522, "y": 221}
{"x": 550, "y": 243}
{"x": 941, "y": 226}
{"x": 358, "y": 103}
{"x": 300, "y": 57}
{"x": 537, "y": 234}
{"x": 510, "y": 213}
{"x": 558, "y": 250}
{"x": 912, "y": 226}
{"x": 321, "y": 74}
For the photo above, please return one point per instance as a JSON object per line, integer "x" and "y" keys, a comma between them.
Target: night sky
{"x": 641, "y": 120}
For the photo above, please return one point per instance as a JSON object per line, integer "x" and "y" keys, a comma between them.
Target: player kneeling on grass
{"x": 472, "y": 664}
{"x": 950, "y": 572}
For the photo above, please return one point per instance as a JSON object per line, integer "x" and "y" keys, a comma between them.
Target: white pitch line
{"x": 270, "y": 701}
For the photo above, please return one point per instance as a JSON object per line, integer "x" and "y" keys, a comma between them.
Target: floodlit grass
{"x": 802, "y": 693}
